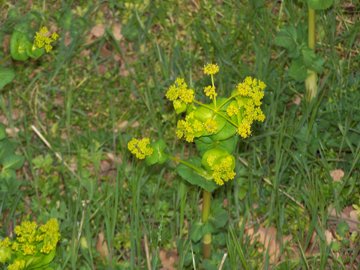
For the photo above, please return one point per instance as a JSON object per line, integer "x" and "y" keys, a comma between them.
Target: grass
{"x": 95, "y": 93}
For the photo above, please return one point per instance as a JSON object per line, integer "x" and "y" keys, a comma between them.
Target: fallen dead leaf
{"x": 116, "y": 31}
{"x": 168, "y": 259}
{"x": 268, "y": 238}
{"x": 101, "y": 246}
{"x": 337, "y": 174}
{"x": 328, "y": 237}
{"x": 12, "y": 132}
{"x": 98, "y": 30}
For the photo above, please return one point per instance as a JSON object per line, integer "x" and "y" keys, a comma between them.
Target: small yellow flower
{"x": 140, "y": 148}
{"x": 17, "y": 265}
{"x": 211, "y": 69}
{"x": 232, "y": 110}
{"x": 223, "y": 171}
{"x": 211, "y": 126}
{"x": 43, "y": 39}
{"x": 244, "y": 129}
{"x": 189, "y": 128}
{"x": 210, "y": 91}
{"x": 49, "y": 235}
{"x": 179, "y": 93}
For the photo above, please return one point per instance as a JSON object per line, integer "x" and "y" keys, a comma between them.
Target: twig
{"x": 222, "y": 261}
{"x": 148, "y": 259}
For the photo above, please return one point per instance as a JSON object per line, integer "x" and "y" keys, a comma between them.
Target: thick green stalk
{"x": 204, "y": 218}
{"x": 311, "y": 80}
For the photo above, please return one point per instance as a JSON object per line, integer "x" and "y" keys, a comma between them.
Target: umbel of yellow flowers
{"x": 31, "y": 241}
{"x": 43, "y": 39}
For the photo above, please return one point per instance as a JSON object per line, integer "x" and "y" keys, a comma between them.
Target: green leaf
{"x": 287, "y": 38}
{"x": 298, "y": 70}
{"x": 6, "y": 76}
{"x": 206, "y": 143}
{"x": 196, "y": 232}
{"x": 158, "y": 156}
{"x": 2, "y": 132}
{"x": 311, "y": 60}
{"x": 219, "y": 215}
{"x": 225, "y": 133}
{"x": 194, "y": 178}
{"x": 14, "y": 162}
{"x": 19, "y": 45}
{"x": 320, "y": 4}
{"x": 6, "y": 148}
{"x": 41, "y": 261}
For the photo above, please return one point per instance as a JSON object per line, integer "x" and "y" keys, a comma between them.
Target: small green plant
{"x": 26, "y": 42}
{"x": 214, "y": 127}
{"x": 33, "y": 248}
{"x": 305, "y": 64}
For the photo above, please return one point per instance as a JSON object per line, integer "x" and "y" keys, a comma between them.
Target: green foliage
{"x": 320, "y": 4}
{"x": 302, "y": 57}
{"x": 6, "y": 76}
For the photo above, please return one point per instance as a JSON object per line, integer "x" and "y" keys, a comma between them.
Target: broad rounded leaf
{"x": 225, "y": 133}
{"x": 19, "y": 45}
{"x": 194, "y": 178}
{"x": 158, "y": 156}
{"x": 13, "y": 162}
{"x": 6, "y": 76}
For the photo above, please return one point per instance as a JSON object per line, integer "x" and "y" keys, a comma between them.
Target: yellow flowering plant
{"x": 214, "y": 128}
{"x": 33, "y": 248}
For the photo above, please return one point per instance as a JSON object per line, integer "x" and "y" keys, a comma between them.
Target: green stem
{"x": 213, "y": 85}
{"x": 311, "y": 80}
{"x": 204, "y": 218}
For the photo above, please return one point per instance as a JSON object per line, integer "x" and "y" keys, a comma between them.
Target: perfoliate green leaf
{"x": 320, "y": 4}
{"x": 158, "y": 156}
{"x": 19, "y": 45}
{"x": 41, "y": 261}
{"x": 194, "y": 178}
{"x": 13, "y": 162}
{"x": 298, "y": 70}
{"x": 225, "y": 133}
{"x": 6, "y": 76}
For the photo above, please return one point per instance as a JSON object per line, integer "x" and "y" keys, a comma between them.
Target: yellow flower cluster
{"x": 211, "y": 69}
{"x": 30, "y": 240}
{"x": 49, "y": 235}
{"x": 43, "y": 39}
{"x": 17, "y": 265}
{"x": 223, "y": 169}
{"x": 140, "y": 148}
{"x": 180, "y": 94}
{"x": 189, "y": 128}
{"x": 248, "y": 95}
{"x": 210, "y": 91}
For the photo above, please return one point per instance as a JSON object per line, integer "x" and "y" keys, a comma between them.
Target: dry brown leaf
{"x": 337, "y": 174}
{"x": 168, "y": 259}
{"x": 267, "y": 237}
{"x": 115, "y": 159}
{"x": 98, "y": 30}
{"x": 116, "y": 30}
{"x": 297, "y": 99}
{"x": 328, "y": 237}
{"x": 12, "y": 132}
{"x": 135, "y": 124}
{"x": 101, "y": 246}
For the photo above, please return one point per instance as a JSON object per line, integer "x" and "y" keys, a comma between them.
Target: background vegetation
{"x": 72, "y": 112}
